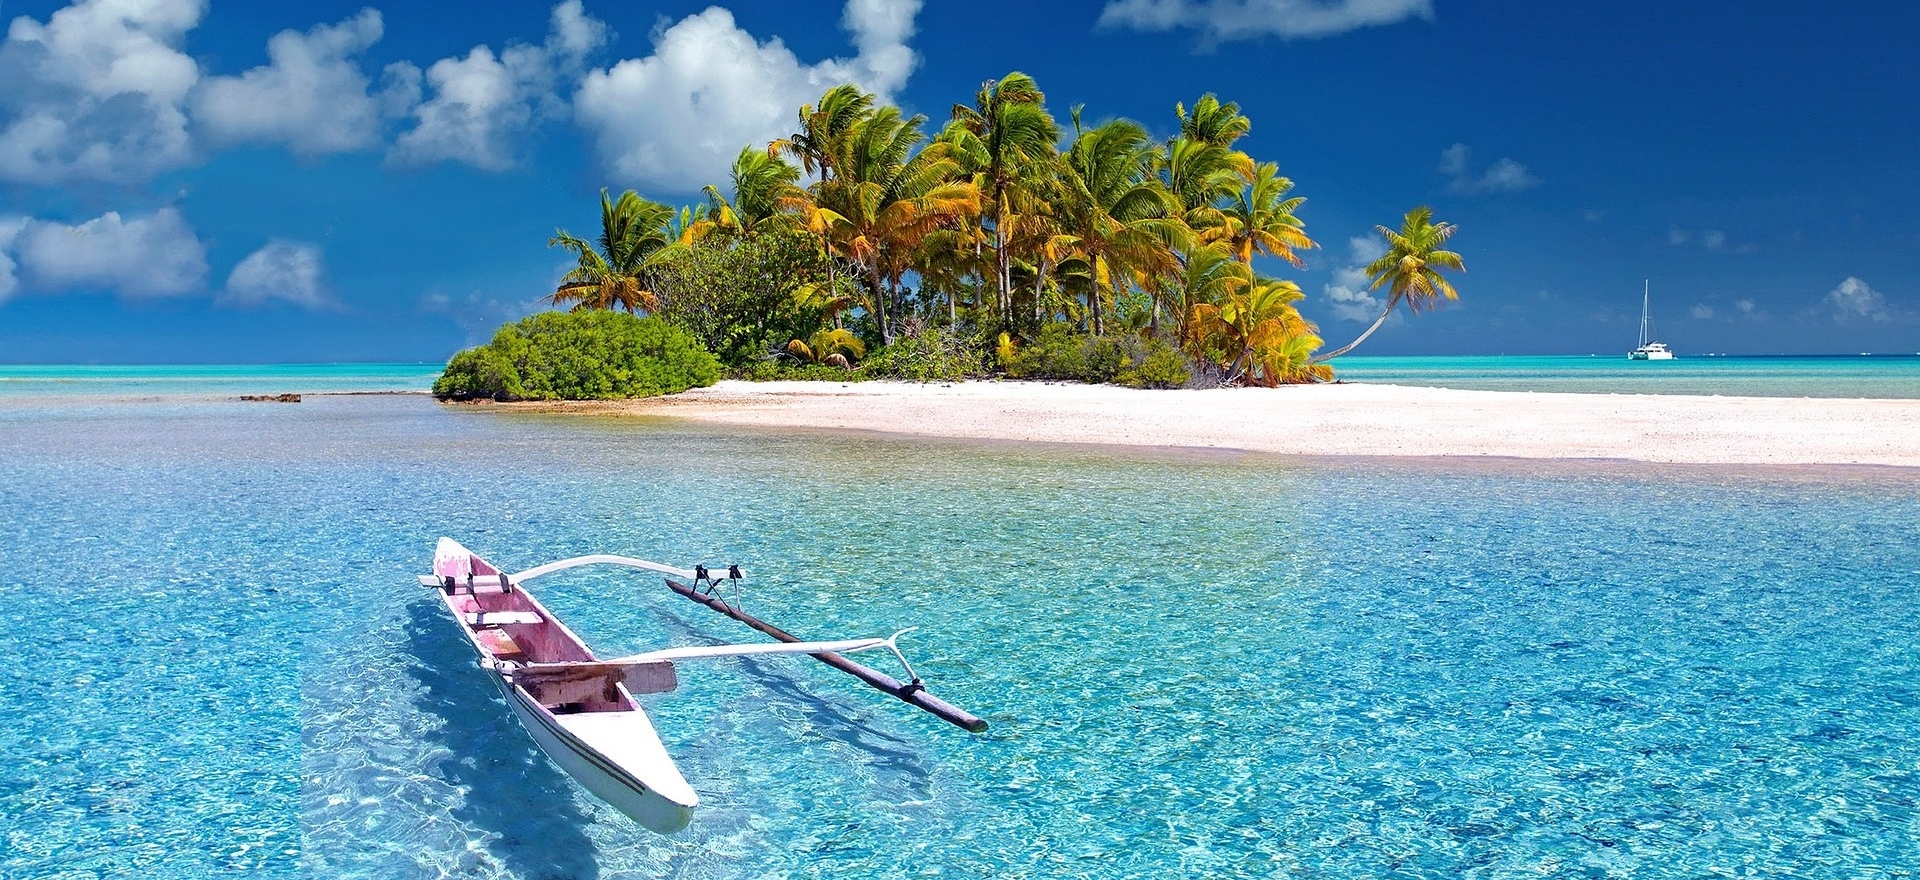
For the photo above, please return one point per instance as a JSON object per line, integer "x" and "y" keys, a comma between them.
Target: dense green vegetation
{"x": 864, "y": 245}
{"x": 579, "y": 355}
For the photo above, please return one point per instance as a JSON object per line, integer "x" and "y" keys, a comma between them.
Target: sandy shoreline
{"x": 1350, "y": 419}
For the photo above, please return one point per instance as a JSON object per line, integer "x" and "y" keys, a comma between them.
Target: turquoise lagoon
{"x": 1195, "y": 665}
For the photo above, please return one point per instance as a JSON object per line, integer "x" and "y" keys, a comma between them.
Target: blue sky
{"x": 183, "y": 181}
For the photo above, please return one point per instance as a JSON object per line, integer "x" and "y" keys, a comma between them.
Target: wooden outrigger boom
{"x": 911, "y": 692}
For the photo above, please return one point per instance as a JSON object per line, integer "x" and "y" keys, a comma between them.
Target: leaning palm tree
{"x": 633, "y": 234}
{"x": 1410, "y": 269}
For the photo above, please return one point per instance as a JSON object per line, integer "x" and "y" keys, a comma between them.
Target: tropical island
{"x": 862, "y": 246}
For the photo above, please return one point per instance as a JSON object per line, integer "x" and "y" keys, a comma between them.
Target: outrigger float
{"x": 580, "y": 708}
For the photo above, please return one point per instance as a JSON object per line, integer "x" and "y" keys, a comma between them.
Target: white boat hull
{"x": 646, "y": 801}
{"x": 1650, "y": 355}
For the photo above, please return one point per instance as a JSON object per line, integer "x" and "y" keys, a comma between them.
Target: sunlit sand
{"x": 1346, "y": 419}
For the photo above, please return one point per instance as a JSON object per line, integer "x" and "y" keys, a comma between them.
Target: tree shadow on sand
{"x": 513, "y": 790}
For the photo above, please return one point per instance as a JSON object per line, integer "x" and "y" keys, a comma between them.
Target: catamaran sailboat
{"x": 1648, "y": 350}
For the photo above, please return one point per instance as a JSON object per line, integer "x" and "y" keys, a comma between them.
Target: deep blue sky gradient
{"x": 1786, "y": 134}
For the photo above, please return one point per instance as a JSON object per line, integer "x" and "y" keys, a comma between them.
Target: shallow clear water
{"x": 1878, "y": 376}
{"x": 1222, "y": 666}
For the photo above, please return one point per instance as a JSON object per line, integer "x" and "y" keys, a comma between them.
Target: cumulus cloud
{"x": 311, "y": 95}
{"x": 1714, "y": 239}
{"x": 678, "y": 117}
{"x": 9, "y": 230}
{"x": 1221, "y": 20}
{"x": 96, "y": 91}
{"x": 1703, "y": 312}
{"x": 1503, "y": 176}
{"x": 481, "y": 101}
{"x": 283, "y": 270}
{"x": 155, "y": 255}
{"x": 1347, "y": 294}
{"x": 1745, "y": 306}
{"x": 1853, "y": 299}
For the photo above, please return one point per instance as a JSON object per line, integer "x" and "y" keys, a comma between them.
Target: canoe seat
{"x": 499, "y": 644}
{"x": 500, "y": 618}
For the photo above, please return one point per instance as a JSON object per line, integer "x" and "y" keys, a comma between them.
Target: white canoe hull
{"x": 663, "y": 803}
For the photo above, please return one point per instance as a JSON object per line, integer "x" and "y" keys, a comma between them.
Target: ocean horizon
{"x": 1879, "y": 376}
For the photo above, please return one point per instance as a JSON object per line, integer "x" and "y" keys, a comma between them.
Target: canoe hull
{"x": 606, "y": 780}
{"x": 602, "y": 738}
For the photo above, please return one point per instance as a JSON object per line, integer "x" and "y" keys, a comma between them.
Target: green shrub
{"x": 747, "y": 297}
{"x": 1162, "y": 367}
{"x": 932, "y": 355}
{"x": 1060, "y": 352}
{"x": 583, "y": 355}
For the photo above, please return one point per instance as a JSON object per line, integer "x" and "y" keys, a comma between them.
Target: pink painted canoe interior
{"x": 541, "y": 642}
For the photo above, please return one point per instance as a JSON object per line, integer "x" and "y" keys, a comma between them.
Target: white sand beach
{"x": 1346, "y": 419}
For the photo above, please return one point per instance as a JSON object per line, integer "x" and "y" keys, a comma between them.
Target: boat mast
{"x": 1646, "y": 313}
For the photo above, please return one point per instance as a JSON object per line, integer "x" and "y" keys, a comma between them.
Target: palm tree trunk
{"x": 1039, "y": 281}
{"x": 878, "y": 290}
{"x": 1320, "y": 359}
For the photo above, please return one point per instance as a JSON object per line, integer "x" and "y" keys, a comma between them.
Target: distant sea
{"x": 1879, "y": 376}
{"x": 203, "y": 380}
{"x": 1895, "y": 376}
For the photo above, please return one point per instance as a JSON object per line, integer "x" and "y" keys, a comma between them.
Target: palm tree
{"x": 1007, "y": 140}
{"x": 824, "y": 128}
{"x": 634, "y": 233}
{"x": 1256, "y": 333}
{"x": 1210, "y": 277}
{"x": 1259, "y": 217}
{"x": 1410, "y": 269}
{"x": 1213, "y": 122}
{"x": 759, "y": 180}
{"x": 882, "y": 202}
{"x": 1113, "y": 212}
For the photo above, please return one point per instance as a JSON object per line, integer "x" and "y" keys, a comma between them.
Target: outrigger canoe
{"x": 580, "y": 709}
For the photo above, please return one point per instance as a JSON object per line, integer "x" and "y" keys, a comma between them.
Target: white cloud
{"x": 312, "y": 96}
{"x": 1703, "y": 312}
{"x": 96, "y": 91}
{"x": 1714, "y": 239}
{"x": 155, "y": 255}
{"x": 1504, "y": 175}
{"x": 1677, "y": 236}
{"x": 283, "y": 270}
{"x": 480, "y": 102}
{"x": 678, "y": 117}
{"x": 1854, "y": 299}
{"x": 1745, "y": 306}
{"x": 1241, "y": 19}
{"x": 9, "y": 230}
{"x": 1348, "y": 294}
